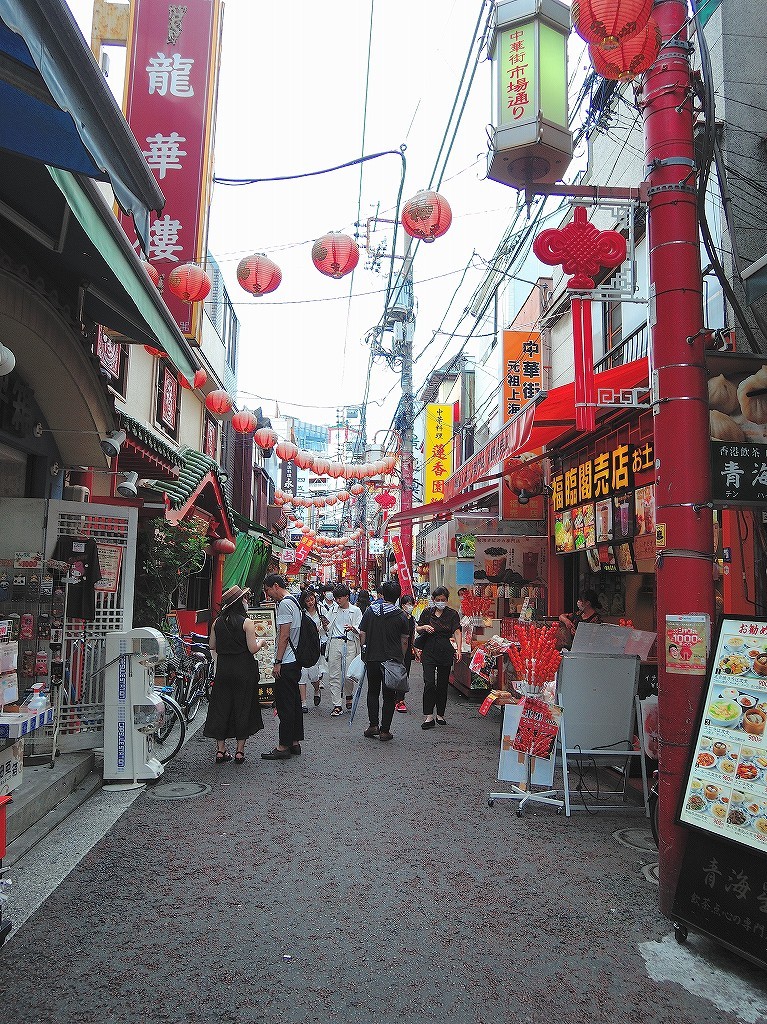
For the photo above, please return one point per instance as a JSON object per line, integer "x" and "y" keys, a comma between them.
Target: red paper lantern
{"x": 335, "y": 255}
{"x": 356, "y": 489}
{"x": 265, "y": 438}
{"x": 631, "y": 58}
{"x": 184, "y": 382}
{"x": 608, "y": 23}
{"x": 320, "y": 466}
{"x": 189, "y": 282}
{"x": 331, "y": 499}
{"x": 336, "y": 470}
{"x": 222, "y": 546}
{"x": 298, "y": 524}
{"x": 258, "y": 274}
{"x": 426, "y": 216}
{"x": 244, "y": 422}
{"x": 218, "y": 402}
{"x": 153, "y": 272}
{"x": 343, "y": 495}
{"x": 200, "y": 379}
{"x": 304, "y": 459}
{"x": 286, "y": 451}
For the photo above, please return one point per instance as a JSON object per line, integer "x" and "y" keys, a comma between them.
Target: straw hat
{"x": 232, "y": 596}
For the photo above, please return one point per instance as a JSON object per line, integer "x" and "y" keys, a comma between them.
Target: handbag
{"x": 395, "y": 676}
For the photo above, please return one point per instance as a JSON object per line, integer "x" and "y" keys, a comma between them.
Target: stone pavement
{"x": 358, "y": 882}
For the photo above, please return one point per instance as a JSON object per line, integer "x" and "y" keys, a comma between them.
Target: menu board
{"x": 726, "y": 791}
{"x": 564, "y": 539}
{"x": 624, "y": 558}
{"x": 266, "y": 629}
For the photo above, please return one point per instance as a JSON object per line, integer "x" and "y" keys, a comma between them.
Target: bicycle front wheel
{"x": 195, "y": 691}
{"x": 171, "y": 732}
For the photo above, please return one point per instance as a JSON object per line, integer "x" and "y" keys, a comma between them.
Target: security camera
{"x": 113, "y": 442}
{"x": 127, "y": 487}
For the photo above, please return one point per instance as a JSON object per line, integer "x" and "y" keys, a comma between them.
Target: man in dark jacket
{"x": 385, "y": 635}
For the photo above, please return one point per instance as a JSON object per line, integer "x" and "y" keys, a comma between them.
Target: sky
{"x": 292, "y": 99}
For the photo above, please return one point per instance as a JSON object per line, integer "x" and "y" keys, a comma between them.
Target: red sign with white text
{"x": 403, "y": 570}
{"x": 302, "y": 551}
{"x": 170, "y": 85}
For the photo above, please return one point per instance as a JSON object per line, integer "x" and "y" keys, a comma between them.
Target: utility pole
{"x": 403, "y": 300}
{"x": 684, "y": 576}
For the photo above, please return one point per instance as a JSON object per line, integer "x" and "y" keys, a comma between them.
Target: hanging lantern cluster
{"x": 624, "y": 40}
{"x": 218, "y": 402}
{"x": 244, "y": 422}
{"x": 426, "y": 216}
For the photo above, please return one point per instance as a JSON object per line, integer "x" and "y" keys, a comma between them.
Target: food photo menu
{"x": 727, "y": 786}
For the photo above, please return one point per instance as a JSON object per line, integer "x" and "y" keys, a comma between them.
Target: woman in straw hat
{"x": 234, "y": 711}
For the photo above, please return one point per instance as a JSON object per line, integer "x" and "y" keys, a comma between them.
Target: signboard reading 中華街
{"x": 739, "y": 473}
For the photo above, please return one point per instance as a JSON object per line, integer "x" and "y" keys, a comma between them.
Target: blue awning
{"x": 56, "y": 106}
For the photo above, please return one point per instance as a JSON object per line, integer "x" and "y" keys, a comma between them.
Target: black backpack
{"x": 307, "y": 651}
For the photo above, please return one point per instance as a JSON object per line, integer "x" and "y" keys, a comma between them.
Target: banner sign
{"x": 172, "y": 64}
{"x": 522, "y": 370}
{"x": 503, "y": 446}
{"x": 302, "y": 551}
{"x": 438, "y": 451}
{"x": 601, "y": 476}
{"x": 288, "y": 477}
{"x": 403, "y": 570}
{"x": 739, "y": 473}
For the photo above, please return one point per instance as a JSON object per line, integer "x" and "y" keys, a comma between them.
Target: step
{"x": 44, "y": 789}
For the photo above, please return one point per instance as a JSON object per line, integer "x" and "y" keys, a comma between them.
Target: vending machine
{"x": 133, "y": 709}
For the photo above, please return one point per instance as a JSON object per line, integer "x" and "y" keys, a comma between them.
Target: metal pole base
{"x": 547, "y": 796}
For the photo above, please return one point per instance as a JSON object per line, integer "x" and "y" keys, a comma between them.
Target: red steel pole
{"x": 683, "y": 478}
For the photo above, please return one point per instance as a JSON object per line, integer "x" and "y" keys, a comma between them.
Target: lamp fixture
{"x": 110, "y": 445}
{"x": 7, "y": 360}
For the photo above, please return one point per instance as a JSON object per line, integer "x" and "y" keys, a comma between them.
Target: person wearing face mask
{"x": 234, "y": 711}
{"x": 407, "y": 605}
{"x": 437, "y": 627}
{"x": 328, "y": 603}
{"x": 588, "y": 611}
{"x": 342, "y": 648}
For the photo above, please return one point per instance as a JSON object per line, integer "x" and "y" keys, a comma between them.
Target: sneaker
{"x": 336, "y": 712}
{"x": 401, "y": 706}
{"x": 371, "y": 732}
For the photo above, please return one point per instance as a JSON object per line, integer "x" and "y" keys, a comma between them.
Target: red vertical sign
{"x": 405, "y": 579}
{"x": 170, "y": 86}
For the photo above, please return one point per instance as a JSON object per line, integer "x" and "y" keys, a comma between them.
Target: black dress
{"x": 234, "y": 711}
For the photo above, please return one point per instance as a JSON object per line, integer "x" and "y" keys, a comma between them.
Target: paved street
{"x": 359, "y": 882}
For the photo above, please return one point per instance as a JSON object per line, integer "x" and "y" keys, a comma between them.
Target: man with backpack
{"x": 287, "y": 670}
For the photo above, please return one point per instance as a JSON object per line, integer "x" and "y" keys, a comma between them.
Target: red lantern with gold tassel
{"x": 631, "y": 58}
{"x": 608, "y": 23}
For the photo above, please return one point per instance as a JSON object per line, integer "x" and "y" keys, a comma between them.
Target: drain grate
{"x": 178, "y": 791}
{"x": 636, "y": 839}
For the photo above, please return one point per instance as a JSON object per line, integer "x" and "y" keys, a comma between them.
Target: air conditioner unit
{"x": 77, "y": 493}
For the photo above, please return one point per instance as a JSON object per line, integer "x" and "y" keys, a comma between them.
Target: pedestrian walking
{"x": 286, "y": 671}
{"x": 437, "y": 627}
{"x": 343, "y": 647}
{"x": 385, "y": 635}
{"x": 363, "y": 601}
{"x": 407, "y": 605}
{"x": 328, "y": 602}
{"x": 234, "y": 711}
{"x": 313, "y": 675}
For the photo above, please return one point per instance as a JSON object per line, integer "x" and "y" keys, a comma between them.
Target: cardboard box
{"x": 9, "y": 688}
{"x": 9, "y": 655}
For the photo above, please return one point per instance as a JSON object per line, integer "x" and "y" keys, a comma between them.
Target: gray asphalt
{"x": 358, "y": 882}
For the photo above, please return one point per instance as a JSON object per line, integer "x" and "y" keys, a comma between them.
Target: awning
{"x": 545, "y": 422}
{"x": 198, "y": 486}
{"x": 442, "y": 509}
{"x": 58, "y": 107}
{"x": 118, "y": 292}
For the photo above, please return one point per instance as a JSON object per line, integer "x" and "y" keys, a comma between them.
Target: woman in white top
{"x": 313, "y": 675}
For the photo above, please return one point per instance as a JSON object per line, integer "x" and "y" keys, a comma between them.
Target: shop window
{"x": 613, "y": 325}
{"x": 113, "y": 358}
{"x": 168, "y": 399}
{"x": 210, "y": 438}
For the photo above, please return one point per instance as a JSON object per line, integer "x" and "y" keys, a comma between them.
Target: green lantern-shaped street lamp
{"x": 531, "y": 141}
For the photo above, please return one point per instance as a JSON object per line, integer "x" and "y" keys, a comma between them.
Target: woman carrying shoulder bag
{"x": 437, "y": 627}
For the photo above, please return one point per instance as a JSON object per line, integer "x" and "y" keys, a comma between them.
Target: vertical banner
{"x": 522, "y": 370}
{"x": 405, "y": 579}
{"x": 437, "y": 452}
{"x": 302, "y": 551}
{"x": 288, "y": 477}
{"x": 172, "y": 67}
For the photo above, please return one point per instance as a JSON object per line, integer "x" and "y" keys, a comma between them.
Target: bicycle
{"x": 170, "y": 733}
{"x": 190, "y": 672}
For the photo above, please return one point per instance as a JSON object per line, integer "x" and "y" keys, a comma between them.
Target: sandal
{"x": 221, "y": 756}
{"x": 317, "y": 699}
{"x": 239, "y": 757}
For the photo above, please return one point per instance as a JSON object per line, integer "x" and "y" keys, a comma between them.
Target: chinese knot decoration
{"x": 581, "y": 249}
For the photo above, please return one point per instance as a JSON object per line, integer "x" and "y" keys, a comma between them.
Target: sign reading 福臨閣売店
{"x": 739, "y": 473}
{"x": 726, "y": 791}
{"x": 687, "y": 641}
{"x": 601, "y": 476}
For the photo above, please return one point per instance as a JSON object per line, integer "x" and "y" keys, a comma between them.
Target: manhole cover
{"x": 178, "y": 791}
{"x": 636, "y": 839}
{"x": 650, "y": 871}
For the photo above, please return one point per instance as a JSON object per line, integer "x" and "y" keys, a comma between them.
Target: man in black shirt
{"x": 385, "y": 635}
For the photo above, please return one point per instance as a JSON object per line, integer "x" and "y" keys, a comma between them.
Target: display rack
{"x": 524, "y": 791}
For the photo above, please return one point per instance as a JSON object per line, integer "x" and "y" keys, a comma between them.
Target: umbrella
{"x": 357, "y": 695}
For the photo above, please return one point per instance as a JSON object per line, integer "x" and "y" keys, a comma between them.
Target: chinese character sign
{"x": 739, "y": 472}
{"x": 522, "y": 370}
{"x": 516, "y": 75}
{"x": 171, "y": 77}
{"x": 438, "y": 451}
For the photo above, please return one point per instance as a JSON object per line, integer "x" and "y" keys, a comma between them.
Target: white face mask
{"x": 440, "y": 604}
{"x": 407, "y": 608}
{"x": 329, "y": 599}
